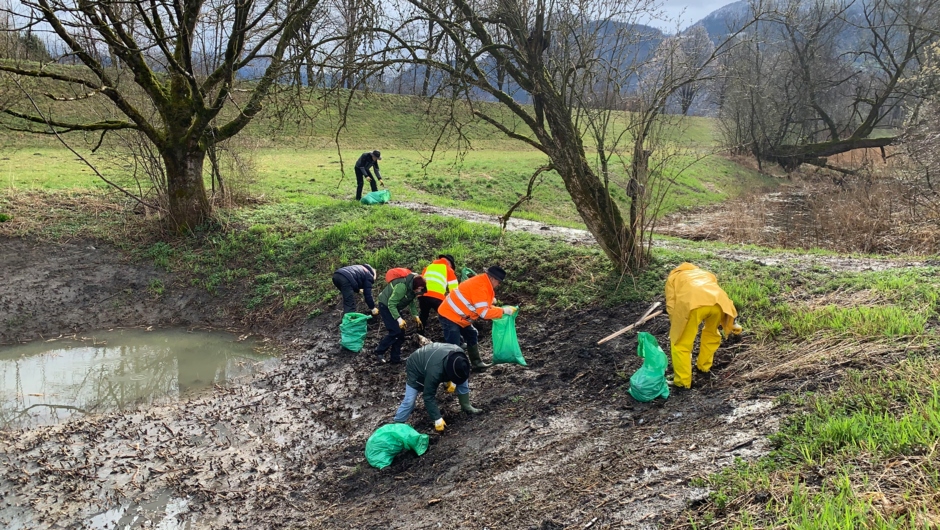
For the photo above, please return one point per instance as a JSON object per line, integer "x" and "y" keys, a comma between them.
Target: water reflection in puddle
{"x": 165, "y": 512}
{"x": 46, "y": 382}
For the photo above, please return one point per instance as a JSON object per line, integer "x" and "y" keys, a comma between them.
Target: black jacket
{"x": 360, "y": 277}
{"x": 365, "y": 162}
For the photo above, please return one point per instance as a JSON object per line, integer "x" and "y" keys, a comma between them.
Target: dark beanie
{"x": 457, "y": 366}
{"x": 419, "y": 283}
{"x": 496, "y": 272}
{"x": 448, "y": 257}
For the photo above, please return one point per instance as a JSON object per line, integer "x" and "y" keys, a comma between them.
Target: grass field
{"x": 296, "y": 159}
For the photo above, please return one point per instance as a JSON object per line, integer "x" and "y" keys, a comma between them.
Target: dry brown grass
{"x": 75, "y": 214}
{"x": 850, "y": 214}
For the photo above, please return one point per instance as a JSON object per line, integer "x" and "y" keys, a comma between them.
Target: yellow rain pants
{"x": 682, "y": 337}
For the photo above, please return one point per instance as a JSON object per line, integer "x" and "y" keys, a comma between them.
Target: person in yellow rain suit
{"x": 693, "y": 296}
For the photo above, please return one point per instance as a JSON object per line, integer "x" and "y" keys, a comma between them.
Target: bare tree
{"x": 566, "y": 58}
{"x": 815, "y": 79}
{"x": 165, "y": 69}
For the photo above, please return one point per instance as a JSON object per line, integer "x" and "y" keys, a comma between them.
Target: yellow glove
{"x": 451, "y": 387}
{"x": 418, "y": 320}
{"x": 439, "y": 425}
{"x": 401, "y": 322}
{"x": 375, "y": 311}
{"x": 508, "y": 309}
{"x": 736, "y": 329}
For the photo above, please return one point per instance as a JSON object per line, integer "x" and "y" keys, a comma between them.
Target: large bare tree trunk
{"x": 188, "y": 203}
{"x": 598, "y": 210}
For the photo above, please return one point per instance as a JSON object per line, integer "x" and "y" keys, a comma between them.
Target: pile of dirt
{"x": 560, "y": 443}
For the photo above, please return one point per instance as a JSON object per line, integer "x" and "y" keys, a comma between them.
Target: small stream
{"x": 47, "y": 382}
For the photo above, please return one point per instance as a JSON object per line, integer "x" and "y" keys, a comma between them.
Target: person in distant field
{"x": 692, "y": 297}
{"x": 427, "y": 368}
{"x": 355, "y": 278}
{"x": 396, "y": 296}
{"x": 366, "y": 161}
{"x": 473, "y": 299}
{"x": 440, "y": 277}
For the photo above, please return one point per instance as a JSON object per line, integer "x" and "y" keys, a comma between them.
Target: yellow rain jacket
{"x": 689, "y": 287}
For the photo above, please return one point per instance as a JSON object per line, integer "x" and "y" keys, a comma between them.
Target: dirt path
{"x": 796, "y": 260}
{"x": 560, "y": 444}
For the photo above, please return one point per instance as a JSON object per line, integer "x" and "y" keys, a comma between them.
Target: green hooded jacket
{"x": 399, "y": 294}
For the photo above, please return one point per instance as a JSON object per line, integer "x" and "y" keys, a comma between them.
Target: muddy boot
{"x": 473, "y": 352}
{"x": 465, "y": 405}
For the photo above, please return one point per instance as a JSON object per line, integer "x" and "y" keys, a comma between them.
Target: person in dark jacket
{"x": 366, "y": 161}
{"x": 427, "y": 368}
{"x": 355, "y": 278}
{"x": 397, "y": 295}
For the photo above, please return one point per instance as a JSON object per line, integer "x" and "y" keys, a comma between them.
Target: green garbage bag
{"x": 505, "y": 343}
{"x": 393, "y": 438}
{"x": 466, "y": 273}
{"x": 376, "y": 197}
{"x": 649, "y": 382}
{"x": 352, "y": 331}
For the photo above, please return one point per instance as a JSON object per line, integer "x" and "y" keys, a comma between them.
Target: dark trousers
{"x": 360, "y": 178}
{"x": 395, "y": 337}
{"x": 426, "y": 304}
{"x": 349, "y": 292}
{"x": 453, "y": 332}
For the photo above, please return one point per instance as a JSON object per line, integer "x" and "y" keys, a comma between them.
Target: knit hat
{"x": 419, "y": 283}
{"x": 448, "y": 257}
{"x": 457, "y": 366}
{"x": 496, "y": 272}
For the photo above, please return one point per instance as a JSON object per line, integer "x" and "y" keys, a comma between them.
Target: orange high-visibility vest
{"x": 439, "y": 277}
{"x": 471, "y": 300}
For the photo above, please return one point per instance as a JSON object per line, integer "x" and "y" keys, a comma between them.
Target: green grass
{"x": 487, "y": 181}
{"x": 864, "y": 456}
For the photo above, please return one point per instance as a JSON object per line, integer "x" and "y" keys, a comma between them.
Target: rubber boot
{"x": 465, "y": 405}
{"x": 473, "y": 352}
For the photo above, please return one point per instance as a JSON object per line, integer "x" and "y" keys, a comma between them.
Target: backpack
{"x": 396, "y": 273}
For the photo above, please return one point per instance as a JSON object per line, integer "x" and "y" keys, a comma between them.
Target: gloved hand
{"x": 508, "y": 309}
{"x": 375, "y": 311}
{"x": 360, "y": 291}
{"x": 439, "y": 425}
{"x": 451, "y": 387}
{"x": 401, "y": 322}
{"x": 736, "y": 329}
{"x": 418, "y": 321}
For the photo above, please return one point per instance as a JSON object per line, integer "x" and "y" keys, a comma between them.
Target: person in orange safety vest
{"x": 472, "y": 300}
{"x": 440, "y": 278}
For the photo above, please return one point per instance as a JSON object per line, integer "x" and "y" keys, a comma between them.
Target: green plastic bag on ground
{"x": 466, "y": 273}
{"x": 393, "y": 438}
{"x": 505, "y": 343}
{"x": 376, "y": 197}
{"x": 352, "y": 331}
{"x": 649, "y": 382}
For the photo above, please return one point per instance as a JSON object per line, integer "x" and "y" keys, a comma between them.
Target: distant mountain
{"x": 609, "y": 48}
{"x": 725, "y": 20}
{"x": 729, "y": 18}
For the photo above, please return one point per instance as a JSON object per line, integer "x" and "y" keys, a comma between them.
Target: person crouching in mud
{"x": 427, "y": 368}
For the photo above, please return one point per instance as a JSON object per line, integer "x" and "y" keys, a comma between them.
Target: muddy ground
{"x": 560, "y": 445}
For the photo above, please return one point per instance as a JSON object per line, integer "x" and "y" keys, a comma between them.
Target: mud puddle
{"x": 47, "y": 382}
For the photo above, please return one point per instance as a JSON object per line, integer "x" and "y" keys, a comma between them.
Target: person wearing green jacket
{"x": 427, "y": 368}
{"x": 397, "y": 295}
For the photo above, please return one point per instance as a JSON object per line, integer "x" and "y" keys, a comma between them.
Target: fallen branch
{"x": 645, "y": 318}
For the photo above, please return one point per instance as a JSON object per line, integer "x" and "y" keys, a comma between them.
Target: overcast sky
{"x": 689, "y": 11}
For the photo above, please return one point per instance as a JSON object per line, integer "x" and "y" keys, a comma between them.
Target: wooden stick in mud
{"x": 631, "y": 326}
